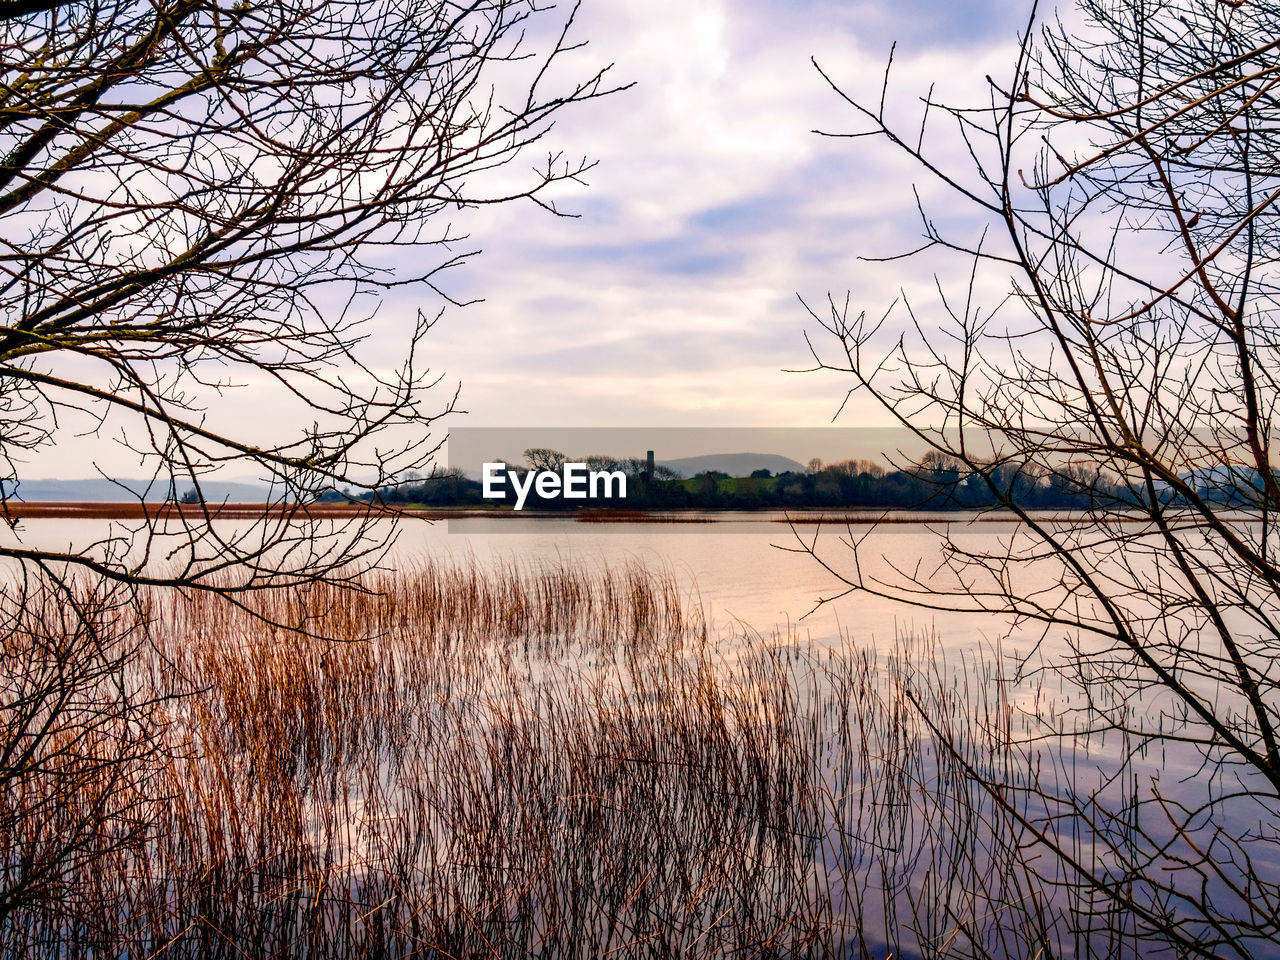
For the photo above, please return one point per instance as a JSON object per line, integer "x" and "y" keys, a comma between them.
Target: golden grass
{"x": 516, "y": 762}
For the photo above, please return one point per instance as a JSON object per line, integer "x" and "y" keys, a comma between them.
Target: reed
{"x": 517, "y": 761}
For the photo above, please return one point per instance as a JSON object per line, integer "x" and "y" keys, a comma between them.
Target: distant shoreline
{"x": 343, "y": 511}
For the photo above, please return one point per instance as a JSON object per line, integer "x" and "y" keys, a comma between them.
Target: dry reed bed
{"x": 514, "y": 762}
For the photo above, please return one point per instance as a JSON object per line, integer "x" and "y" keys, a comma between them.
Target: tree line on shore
{"x": 936, "y": 482}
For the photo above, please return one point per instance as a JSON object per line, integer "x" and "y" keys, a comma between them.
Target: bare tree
{"x": 197, "y": 195}
{"x": 1125, "y": 175}
{"x": 83, "y": 747}
{"x": 544, "y": 458}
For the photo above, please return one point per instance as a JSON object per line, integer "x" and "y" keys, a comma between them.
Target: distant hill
{"x": 98, "y": 490}
{"x": 733, "y": 464}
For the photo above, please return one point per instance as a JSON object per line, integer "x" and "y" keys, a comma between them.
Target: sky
{"x": 670, "y": 298}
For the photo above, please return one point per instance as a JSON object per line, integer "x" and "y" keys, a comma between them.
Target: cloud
{"x": 672, "y": 294}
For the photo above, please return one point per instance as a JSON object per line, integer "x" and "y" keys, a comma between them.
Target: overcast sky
{"x": 671, "y": 299}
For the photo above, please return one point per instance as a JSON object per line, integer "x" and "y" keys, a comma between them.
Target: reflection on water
{"x": 740, "y": 568}
{"x": 828, "y": 778}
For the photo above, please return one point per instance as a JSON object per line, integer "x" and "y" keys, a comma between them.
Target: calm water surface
{"x": 747, "y": 573}
{"x": 742, "y": 569}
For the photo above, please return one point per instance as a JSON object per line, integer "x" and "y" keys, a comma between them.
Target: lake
{"x": 806, "y": 704}
{"x": 741, "y": 568}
